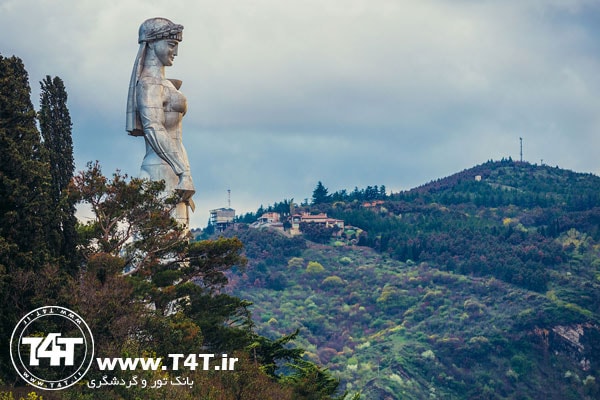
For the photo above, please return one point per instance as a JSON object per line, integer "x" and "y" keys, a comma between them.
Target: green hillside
{"x": 481, "y": 285}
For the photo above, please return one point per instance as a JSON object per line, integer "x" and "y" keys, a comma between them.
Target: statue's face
{"x": 166, "y": 50}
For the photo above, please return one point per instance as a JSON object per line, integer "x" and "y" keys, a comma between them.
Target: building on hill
{"x": 222, "y": 218}
{"x": 273, "y": 220}
{"x": 320, "y": 219}
{"x": 268, "y": 220}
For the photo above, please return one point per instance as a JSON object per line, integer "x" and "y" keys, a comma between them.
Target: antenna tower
{"x": 228, "y": 198}
{"x": 521, "y": 140}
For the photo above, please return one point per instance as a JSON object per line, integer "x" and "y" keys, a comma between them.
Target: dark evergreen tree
{"x": 55, "y": 125}
{"x": 320, "y": 194}
{"x": 356, "y": 194}
{"x": 24, "y": 177}
{"x": 372, "y": 193}
{"x": 24, "y": 213}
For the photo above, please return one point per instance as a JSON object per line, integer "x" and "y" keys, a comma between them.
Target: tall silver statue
{"x": 155, "y": 108}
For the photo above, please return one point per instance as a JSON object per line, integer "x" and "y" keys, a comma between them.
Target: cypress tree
{"x": 24, "y": 177}
{"x": 55, "y": 125}
{"x": 24, "y": 200}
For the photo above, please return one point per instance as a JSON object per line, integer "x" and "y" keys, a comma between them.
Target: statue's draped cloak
{"x": 133, "y": 124}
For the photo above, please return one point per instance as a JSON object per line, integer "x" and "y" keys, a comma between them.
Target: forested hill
{"x": 481, "y": 285}
{"x": 498, "y": 219}
{"x": 519, "y": 183}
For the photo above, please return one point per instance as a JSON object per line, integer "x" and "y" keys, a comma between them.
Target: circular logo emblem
{"x": 52, "y": 348}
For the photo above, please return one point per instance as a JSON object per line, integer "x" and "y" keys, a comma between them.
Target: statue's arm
{"x": 150, "y": 98}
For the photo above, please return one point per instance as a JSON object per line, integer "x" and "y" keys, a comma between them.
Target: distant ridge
{"x": 521, "y": 177}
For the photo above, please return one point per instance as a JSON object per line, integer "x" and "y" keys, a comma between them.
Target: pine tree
{"x": 320, "y": 194}
{"x": 55, "y": 125}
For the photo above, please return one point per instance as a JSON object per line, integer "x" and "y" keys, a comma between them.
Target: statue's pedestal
{"x": 181, "y": 213}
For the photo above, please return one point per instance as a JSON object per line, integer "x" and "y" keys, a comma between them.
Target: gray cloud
{"x": 283, "y": 94}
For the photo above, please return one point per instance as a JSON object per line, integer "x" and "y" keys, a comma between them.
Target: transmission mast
{"x": 521, "y": 140}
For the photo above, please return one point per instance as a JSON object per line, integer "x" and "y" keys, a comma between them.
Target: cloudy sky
{"x": 285, "y": 93}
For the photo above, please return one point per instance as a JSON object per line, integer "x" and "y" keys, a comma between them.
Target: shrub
{"x": 387, "y": 292}
{"x": 428, "y": 355}
{"x": 295, "y": 262}
{"x": 314, "y": 267}
{"x": 521, "y": 364}
{"x": 364, "y": 345}
{"x": 345, "y": 260}
{"x": 332, "y": 281}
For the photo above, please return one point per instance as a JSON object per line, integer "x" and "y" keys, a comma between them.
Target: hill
{"x": 484, "y": 284}
{"x": 519, "y": 183}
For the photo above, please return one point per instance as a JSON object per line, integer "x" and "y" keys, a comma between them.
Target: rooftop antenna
{"x": 228, "y": 198}
{"x": 521, "y": 140}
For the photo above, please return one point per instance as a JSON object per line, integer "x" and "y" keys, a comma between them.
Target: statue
{"x": 155, "y": 108}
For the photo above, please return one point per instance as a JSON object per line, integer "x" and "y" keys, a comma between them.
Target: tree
{"x": 132, "y": 219}
{"x": 55, "y": 126}
{"x": 24, "y": 180}
{"x": 371, "y": 193}
{"x": 170, "y": 303}
{"x": 172, "y": 306}
{"x": 313, "y": 382}
{"x": 320, "y": 194}
{"x": 24, "y": 199}
{"x": 208, "y": 261}
{"x": 269, "y": 352}
{"x": 316, "y": 232}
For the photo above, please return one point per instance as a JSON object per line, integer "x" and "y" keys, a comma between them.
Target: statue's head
{"x": 159, "y": 28}
{"x": 158, "y": 38}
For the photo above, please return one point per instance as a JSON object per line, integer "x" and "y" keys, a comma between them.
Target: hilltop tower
{"x": 222, "y": 218}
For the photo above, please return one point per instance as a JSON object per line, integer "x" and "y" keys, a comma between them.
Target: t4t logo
{"x": 52, "y": 348}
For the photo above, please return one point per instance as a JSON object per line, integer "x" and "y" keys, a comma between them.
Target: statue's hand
{"x": 185, "y": 194}
{"x": 185, "y": 186}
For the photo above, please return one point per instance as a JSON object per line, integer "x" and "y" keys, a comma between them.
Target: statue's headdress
{"x": 159, "y": 28}
{"x": 152, "y": 29}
